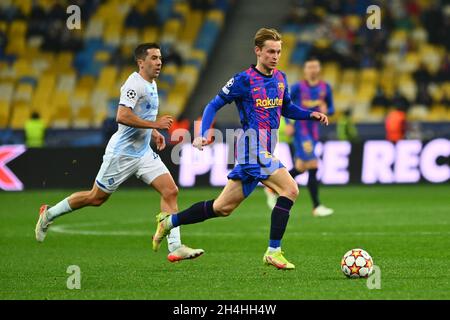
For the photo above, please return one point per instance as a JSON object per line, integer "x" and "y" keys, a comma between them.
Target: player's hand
{"x": 159, "y": 139}
{"x": 320, "y": 117}
{"x": 199, "y": 143}
{"x": 165, "y": 122}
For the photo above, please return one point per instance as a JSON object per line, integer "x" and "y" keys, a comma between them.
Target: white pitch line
{"x": 75, "y": 229}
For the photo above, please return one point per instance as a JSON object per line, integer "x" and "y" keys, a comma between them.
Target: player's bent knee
{"x": 291, "y": 193}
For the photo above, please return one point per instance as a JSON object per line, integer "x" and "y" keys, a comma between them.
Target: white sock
{"x": 59, "y": 209}
{"x": 169, "y": 222}
{"x": 174, "y": 239}
{"x": 274, "y": 249}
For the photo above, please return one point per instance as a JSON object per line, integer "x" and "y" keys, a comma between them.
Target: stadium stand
{"x": 406, "y": 61}
{"x": 72, "y": 77}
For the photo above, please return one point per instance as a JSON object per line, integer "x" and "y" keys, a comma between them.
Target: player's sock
{"x": 280, "y": 217}
{"x": 59, "y": 209}
{"x": 174, "y": 239}
{"x": 198, "y": 212}
{"x": 294, "y": 172}
{"x": 313, "y": 187}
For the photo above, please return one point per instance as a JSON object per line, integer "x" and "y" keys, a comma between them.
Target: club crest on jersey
{"x": 281, "y": 85}
{"x": 269, "y": 103}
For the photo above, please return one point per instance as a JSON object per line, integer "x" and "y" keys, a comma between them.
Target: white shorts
{"x": 116, "y": 169}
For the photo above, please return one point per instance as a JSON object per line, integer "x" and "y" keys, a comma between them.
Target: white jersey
{"x": 142, "y": 96}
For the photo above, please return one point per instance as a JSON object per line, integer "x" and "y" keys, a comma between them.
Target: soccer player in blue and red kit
{"x": 261, "y": 95}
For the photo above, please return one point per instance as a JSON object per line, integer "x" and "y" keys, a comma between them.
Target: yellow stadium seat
{"x": 3, "y": 26}
{"x": 113, "y": 33}
{"x": 437, "y": 113}
{"x": 86, "y": 82}
{"x": 170, "y": 30}
{"x": 64, "y": 61}
{"x": 79, "y": 98}
{"x": 170, "y": 69}
{"x": 174, "y": 104}
{"x": 17, "y": 28}
{"x": 216, "y": 16}
{"x": 191, "y": 28}
{"x": 199, "y": 55}
{"x": 25, "y": 6}
{"x": 43, "y": 91}
{"x": 23, "y": 93}
{"x": 353, "y": 22}
{"x": 102, "y": 56}
{"x": 22, "y": 68}
{"x": 4, "y": 113}
{"x": 6, "y": 91}
{"x": 125, "y": 73}
{"x": 378, "y": 111}
{"x": 62, "y": 117}
{"x": 107, "y": 77}
{"x": 130, "y": 37}
{"x": 83, "y": 118}
{"x": 16, "y": 46}
{"x": 150, "y": 34}
{"x": 20, "y": 114}
{"x": 369, "y": 75}
{"x": 182, "y": 8}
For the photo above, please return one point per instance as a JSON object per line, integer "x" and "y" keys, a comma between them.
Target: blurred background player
{"x": 345, "y": 127}
{"x": 315, "y": 94}
{"x": 261, "y": 95}
{"x": 129, "y": 153}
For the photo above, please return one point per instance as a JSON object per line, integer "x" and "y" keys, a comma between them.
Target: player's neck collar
{"x": 262, "y": 74}
{"x": 150, "y": 82}
{"x": 316, "y": 83}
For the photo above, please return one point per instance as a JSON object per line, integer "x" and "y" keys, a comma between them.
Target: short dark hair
{"x": 311, "y": 58}
{"x": 141, "y": 50}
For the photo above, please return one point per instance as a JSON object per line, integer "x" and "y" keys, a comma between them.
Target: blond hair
{"x": 264, "y": 34}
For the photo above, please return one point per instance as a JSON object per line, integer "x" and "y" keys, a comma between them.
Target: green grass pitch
{"x": 406, "y": 229}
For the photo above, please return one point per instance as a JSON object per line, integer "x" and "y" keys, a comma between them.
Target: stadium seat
{"x": 6, "y": 91}
{"x": 62, "y": 117}
{"x": 4, "y": 113}
{"x": 83, "y": 118}
{"x": 20, "y": 114}
{"x": 23, "y": 93}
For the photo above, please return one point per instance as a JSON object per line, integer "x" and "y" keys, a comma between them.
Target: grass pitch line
{"x": 76, "y": 230}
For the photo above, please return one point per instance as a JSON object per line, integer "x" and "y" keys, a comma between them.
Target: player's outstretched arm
{"x": 207, "y": 119}
{"x": 295, "y": 112}
{"x": 126, "y": 116}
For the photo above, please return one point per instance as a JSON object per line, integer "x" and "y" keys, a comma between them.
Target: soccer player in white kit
{"x": 129, "y": 153}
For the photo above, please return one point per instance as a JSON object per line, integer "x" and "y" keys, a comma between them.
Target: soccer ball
{"x": 357, "y": 263}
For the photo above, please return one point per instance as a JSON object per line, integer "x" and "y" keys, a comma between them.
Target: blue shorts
{"x": 304, "y": 148}
{"x": 251, "y": 174}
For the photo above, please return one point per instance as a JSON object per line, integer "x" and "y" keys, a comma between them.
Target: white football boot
{"x": 43, "y": 223}
{"x": 322, "y": 211}
{"x": 184, "y": 252}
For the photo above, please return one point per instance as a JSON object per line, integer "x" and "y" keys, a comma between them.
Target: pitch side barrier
{"x": 341, "y": 163}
